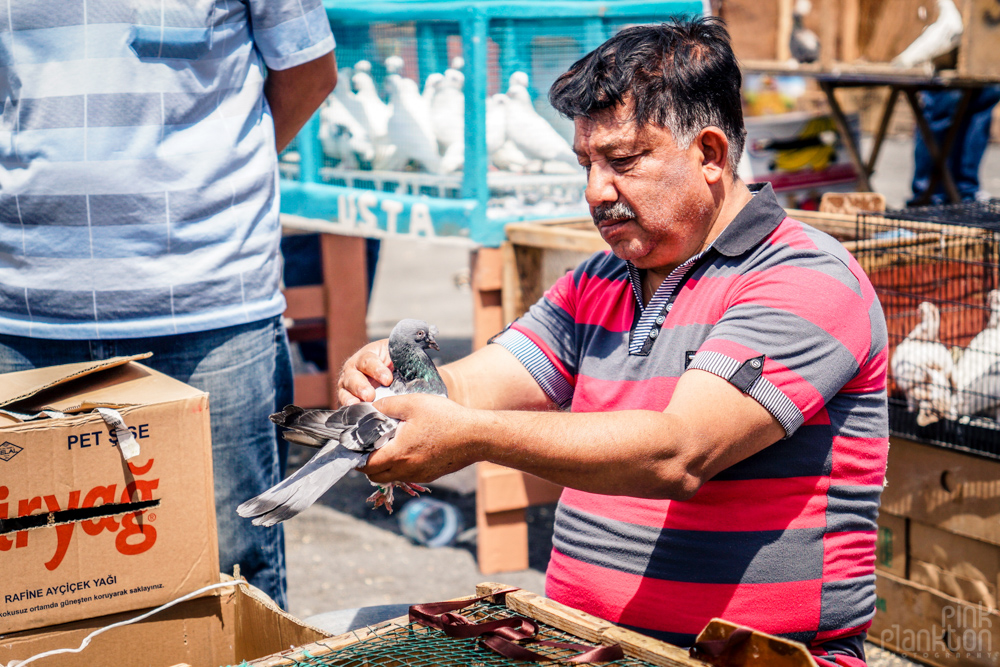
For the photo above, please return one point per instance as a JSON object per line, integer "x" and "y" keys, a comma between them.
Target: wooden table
{"x": 907, "y": 83}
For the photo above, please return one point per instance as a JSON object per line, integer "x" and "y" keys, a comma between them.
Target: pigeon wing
{"x": 302, "y": 489}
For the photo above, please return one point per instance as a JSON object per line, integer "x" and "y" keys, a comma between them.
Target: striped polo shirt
{"x": 783, "y": 541}
{"x": 138, "y": 171}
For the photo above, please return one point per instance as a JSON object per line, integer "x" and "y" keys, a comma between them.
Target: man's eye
{"x": 622, "y": 162}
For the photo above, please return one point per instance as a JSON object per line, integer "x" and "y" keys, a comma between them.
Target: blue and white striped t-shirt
{"x": 138, "y": 171}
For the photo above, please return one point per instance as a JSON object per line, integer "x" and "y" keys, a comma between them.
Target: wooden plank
{"x": 760, "y": 649}
{"x": 345, "y": 280}
{"x": 783, "y": 37}
{"x": 932, "y": 627}
{"x": 312, "y": 390}
{"x": 305, "y": 303}
{"x": 959, "y": 566}
{"x": 850, "y": 203}
{"x": 753, "y": 28}
{"x": 501, "y": 489}
{"x": 977, "y": 54}
{"x": 501, "y": 541}
{"x": 850, "y": 17}
{"x": 512, "y": 296}
{"x": 946, "y": 489}
{"x": 590, "y": 628}
{"x": 486, "y": 278}
{"x": 828, "y": 34}
{"x": 586, "y": 240}
{"x": 891, "y": 544}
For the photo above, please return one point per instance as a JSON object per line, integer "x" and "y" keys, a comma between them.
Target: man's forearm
{"x": 634, "y": 452}
{"x": 295, "y": 93}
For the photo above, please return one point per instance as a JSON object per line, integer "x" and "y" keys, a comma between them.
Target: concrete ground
{"x": 341, "y": 554}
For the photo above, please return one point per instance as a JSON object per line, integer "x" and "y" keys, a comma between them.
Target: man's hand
{"x": 433, "y": 440}
{"x": 366, "y": 369}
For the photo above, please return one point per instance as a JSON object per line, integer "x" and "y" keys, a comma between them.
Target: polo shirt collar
{"x": 753, "y": 224}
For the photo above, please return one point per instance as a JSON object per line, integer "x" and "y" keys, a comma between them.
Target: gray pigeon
{"x": 349, "y": 434}
{"x": 803, "y": 43}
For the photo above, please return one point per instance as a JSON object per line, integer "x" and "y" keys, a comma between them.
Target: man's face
{"x": 649, "y": 198}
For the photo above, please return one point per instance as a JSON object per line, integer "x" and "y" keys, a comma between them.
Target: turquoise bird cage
{"x": 440, "y": 125}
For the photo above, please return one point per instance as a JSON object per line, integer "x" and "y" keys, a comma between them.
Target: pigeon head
{"x": 414, "y": 333}
{"x": 930, "y": 322}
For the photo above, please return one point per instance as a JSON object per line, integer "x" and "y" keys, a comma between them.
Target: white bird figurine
{"x": 976, "y": 375}
{"x": 803, "y": 42}
{"x": 936, "y": 39}
{"x": 410, "y": 129}
{"x": 922, "y": 365}
{"x": 431, "y": 84}
{"x": 348, "y": 435}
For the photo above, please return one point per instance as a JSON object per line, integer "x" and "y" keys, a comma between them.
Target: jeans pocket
{"x": 149, "y": 41}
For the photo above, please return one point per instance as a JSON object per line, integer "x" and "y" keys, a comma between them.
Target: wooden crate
{"x": 760, "y": 650}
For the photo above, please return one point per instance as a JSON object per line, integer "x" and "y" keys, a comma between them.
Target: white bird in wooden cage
{"x": 936, "y": 39}
{"x": 976, "y": 375}
{"x": 410, "y": 129}
{"x": 921, "y": 366}
{"x": 531, "y": 133}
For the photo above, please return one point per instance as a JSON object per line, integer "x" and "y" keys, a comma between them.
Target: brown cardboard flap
{"x": 18, "y": 386}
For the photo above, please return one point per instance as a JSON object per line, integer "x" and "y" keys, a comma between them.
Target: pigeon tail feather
{"x": 303, "y": 488}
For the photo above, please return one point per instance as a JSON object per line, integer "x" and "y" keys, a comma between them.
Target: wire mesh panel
{"x": 936, "y": 272}
{"x": 416, "y": 645}
{"x": 431, "y": 137}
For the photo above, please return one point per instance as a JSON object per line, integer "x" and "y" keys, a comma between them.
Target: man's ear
{"x": 714, "y": 148}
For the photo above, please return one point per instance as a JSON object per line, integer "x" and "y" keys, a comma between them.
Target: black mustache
{"x": 616, "y": 211}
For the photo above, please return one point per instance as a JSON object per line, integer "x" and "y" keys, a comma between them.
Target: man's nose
{"x": 600, "y": 186}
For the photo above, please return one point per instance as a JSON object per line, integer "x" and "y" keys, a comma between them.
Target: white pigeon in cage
{"x": 531, "y": 133}
{"x": 375, "y": 112}
{"x": 342, "y": 135}
{"x": 448, "y": 109}
{"x": 976, "y": 375}
{"x": 431, "y": 84}
{"x": 410, "y": 129}
{"x": 921, "y": 366}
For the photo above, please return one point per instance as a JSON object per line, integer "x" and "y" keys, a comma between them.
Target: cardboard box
{"x": 224, "y": 627}
{"x": 84, "y": 533}
{"x": 891, "y": 544}
{"x": 932, "y": 627}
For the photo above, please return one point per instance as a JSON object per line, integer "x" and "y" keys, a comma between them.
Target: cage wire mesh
{"x": 417, "y": 645}
{"x": 396, "y": 122}
{"x": 936, "y": 270}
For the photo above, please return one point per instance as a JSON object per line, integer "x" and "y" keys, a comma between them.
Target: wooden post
{"x": 783, "y": 51}
{"x": 850, "y": 14}
{"x": 828, "y": 35}
{"x": 345, "y": 279}
{"x": 486, "y": 277}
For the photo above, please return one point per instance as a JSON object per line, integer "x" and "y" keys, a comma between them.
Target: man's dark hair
{"x": 681, "y": 75}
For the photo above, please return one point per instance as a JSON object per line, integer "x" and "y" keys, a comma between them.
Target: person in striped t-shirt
{"x": 139, "y": 209}
{"x": 711, "y": 392}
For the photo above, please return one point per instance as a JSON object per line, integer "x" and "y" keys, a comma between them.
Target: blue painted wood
{"x": 310, "y": 150}
{"x": 476, "y": 156}
{"x": 410, "y": 10}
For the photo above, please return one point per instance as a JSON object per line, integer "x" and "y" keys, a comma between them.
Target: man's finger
{"x": 371, "y": 365}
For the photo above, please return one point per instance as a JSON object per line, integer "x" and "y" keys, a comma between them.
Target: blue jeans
{"x": 248, "y": 375}
{"x": 970, "y": 141}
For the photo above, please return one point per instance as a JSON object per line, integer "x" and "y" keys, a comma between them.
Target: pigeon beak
{"x": 431, "y": 343}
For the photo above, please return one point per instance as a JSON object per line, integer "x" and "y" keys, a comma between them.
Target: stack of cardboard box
{"x": 88, "y": 538}
{"x": 938, "y": 556}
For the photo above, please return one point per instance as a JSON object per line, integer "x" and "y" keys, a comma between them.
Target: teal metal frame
{"x": 376, "y": 213}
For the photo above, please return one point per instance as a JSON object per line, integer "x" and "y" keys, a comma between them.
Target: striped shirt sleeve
{"x": 544, "y": 341}
{"x": 290, "y": 32}
{"x": 806, "y": 330}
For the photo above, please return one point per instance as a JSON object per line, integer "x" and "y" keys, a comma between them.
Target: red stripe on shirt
{"x": 605, "y": 303}
{"x": 791, "y": 234}
{"x": 682, "y": 607}
{"x": 858, "y": 461}
{"x": 779, "y": 504}
{"x": 595, "y": 395}
{"x": 563, "y": 294}
{"x": 848, "y": 555}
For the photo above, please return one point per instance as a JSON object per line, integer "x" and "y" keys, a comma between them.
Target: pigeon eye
{"x": 420, "y": 334}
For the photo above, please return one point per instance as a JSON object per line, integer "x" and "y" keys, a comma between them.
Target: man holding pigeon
{"x": 711, "y": 392}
